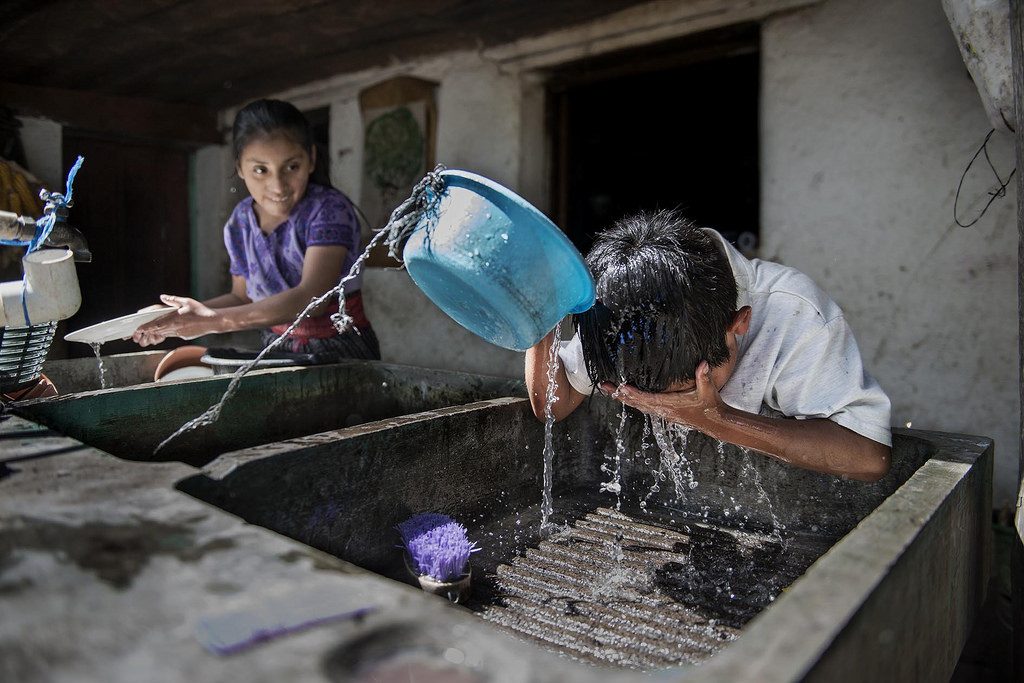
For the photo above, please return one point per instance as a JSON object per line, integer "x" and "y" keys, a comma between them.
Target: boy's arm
{"x": 567, "y": 398}
{"x": 815, "y": 444}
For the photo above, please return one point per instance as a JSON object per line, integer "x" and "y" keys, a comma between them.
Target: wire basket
{"x": 22, "y": 353}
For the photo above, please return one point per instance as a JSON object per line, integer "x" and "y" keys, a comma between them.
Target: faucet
{"x": 23, "y": 229}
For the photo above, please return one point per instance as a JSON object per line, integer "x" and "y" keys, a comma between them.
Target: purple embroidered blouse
{"x": 272, "y": 263}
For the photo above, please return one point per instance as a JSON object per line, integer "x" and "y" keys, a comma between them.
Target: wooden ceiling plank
{"x": 125, "y": 65}
{"x": 218, "y": 52}
{"x": 118, "y": 116}
{"x": 381, "y": 46}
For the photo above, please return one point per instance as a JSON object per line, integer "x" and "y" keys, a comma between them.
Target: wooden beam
{"x": 127, "y": 117}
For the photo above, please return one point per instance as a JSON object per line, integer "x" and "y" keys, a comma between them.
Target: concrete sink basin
{"x": 270, "y": 405}
{"x": 679, "y": 569}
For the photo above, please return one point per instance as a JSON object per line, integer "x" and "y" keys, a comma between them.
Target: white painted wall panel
{"x": 869, "y": 117}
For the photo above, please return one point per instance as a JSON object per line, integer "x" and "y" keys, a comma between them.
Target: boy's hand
{"x": 695, "y": 406}
{"x": 817, "y": 444}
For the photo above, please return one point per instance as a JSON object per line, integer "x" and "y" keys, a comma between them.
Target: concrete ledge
{"x": 106, "y": 571}
{"x": 894, "y": 600}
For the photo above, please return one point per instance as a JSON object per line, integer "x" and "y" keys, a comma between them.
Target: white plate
{"x": 187, "y": 372}
{"x": 118, "y": 328}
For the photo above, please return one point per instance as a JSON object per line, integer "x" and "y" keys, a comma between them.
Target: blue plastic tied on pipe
{"x": 44, "y": 226}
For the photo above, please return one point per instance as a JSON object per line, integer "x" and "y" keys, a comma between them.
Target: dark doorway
{"x": 320, "y": 121}
{"x": 132, "y": 204}
{"x": 670, "y": 126}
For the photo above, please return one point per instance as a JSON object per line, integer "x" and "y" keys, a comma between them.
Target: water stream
{"x": 751, "y": 474}
{"x": 550, "y": 397}
{"x": 672, "y": 440}
{"x": 340, "y": 320}
{"x": 99, "y": 364}
{"x": 615, "y": 471}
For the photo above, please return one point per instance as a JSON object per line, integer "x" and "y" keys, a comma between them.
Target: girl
{"x": 290, "y": 241}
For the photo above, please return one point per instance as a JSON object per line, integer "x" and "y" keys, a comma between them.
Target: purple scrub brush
{"x": 438, "y": 553}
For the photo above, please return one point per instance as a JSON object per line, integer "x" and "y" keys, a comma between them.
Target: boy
{"x": 688, "y": 329}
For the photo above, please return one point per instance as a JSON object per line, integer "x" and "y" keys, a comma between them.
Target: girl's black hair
{"x": 264, "y": 118}
{"x": 666, "y": 297}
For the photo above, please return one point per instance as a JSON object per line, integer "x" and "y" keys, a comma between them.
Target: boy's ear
{"x": 312, "y": 159}
{"x": 741, "y": 323}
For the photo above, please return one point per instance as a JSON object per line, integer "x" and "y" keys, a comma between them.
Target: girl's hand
{"x": 695, "y": 407}
{"x": 191, "y": 320}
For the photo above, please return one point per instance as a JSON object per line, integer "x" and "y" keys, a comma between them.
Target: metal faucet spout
{"x": 63, "y": 235}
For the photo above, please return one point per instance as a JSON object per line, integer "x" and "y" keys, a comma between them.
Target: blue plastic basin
{"x": 496, "y": 264}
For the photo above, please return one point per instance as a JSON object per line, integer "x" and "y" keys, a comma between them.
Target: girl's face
{"x": 276, "y": 171}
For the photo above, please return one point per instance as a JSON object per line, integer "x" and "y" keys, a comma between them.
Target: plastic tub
{"x": 496, "y": 264}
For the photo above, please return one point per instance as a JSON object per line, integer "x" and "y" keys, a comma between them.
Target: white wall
{"x": 212, "y": 174}
{"x": 43, "y": 140}
{"x": 869, "y": 118}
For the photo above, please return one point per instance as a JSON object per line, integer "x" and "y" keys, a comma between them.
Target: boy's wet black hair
{"x": 264, "y": 118}
{"x": 666, "y": 297}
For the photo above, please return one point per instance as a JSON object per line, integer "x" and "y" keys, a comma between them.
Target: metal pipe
{"x": 23, "y": 229}
{"x": 15, "y": 227}
{"x": 49, "y": 291}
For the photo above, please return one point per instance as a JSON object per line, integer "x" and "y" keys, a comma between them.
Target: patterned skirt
{"x": 317, "y": 337}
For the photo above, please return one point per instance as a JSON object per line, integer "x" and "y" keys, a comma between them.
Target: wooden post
{"x": 1017, "y": 561}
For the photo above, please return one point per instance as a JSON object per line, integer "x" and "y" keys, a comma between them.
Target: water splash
{"x": 672, "y": 440}
{"x": 615, "y": 485}
{"x": 645, "y": 444}
{"x": 550, "y": 397}
{"x": 611, "y": 583}
{"x": 751, "y": 473}
{"x": 99, "y": 364}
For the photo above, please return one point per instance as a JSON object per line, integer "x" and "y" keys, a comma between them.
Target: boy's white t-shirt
{"x": 798, "y": 357}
